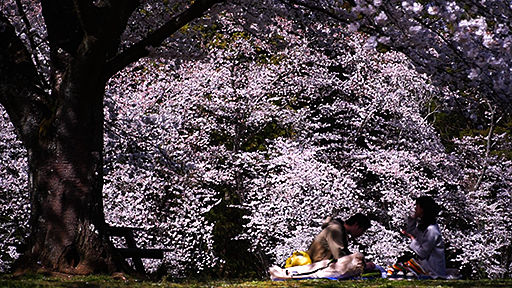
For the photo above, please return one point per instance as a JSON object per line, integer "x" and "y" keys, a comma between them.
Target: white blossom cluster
{"x": 14, "y": 199}
{"x": 461, "y": 44}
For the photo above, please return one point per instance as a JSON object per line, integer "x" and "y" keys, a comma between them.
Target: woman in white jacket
{"x": 427, "y": 242}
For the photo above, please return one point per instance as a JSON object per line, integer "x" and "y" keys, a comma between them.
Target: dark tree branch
{"x": 64, "y": 28}
{"x": 21, "y": 91}
{"x": 156, "y": 38}
{"x": 116, "y": 15}
{"x": 33, "y": 46}
{"x": 87, "y": 16}
{"x": 488, "y": 148}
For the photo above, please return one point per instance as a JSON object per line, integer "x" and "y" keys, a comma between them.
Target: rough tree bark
{"x": 62, "y": 130}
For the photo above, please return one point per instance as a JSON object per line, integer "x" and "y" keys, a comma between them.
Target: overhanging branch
{"x": 156, "y": 38}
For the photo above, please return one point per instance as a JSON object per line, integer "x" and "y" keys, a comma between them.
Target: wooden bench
{"x": 132, "y": 251}
{"x": 136, "y": 254}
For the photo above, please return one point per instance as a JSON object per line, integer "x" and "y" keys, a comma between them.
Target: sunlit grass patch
{"x": 38, "y": 280}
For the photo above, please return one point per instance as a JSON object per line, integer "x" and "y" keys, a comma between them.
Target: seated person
{"x": 427, "y": 241}
{"x": 332, "y": 242}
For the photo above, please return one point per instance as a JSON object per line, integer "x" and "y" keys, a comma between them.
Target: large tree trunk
{"x": 63, "y": 134}
{"x": 67, "y": 228}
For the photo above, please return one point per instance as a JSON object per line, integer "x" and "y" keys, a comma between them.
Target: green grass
{"x": 107, "y": 281}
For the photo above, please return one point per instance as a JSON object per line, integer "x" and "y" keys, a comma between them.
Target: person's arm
{"x": 428, "y": 242}
{"x": 412, "y": 230}
{"x": 336, "y": 241}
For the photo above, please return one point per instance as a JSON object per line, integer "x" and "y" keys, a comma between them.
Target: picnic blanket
{"x": 352, "y": 267}
{"x": 344, "y": 267}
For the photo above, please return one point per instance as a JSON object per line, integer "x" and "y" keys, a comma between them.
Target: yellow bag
{"x": 298, "y": 258}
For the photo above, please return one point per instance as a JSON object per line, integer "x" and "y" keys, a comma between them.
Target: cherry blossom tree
{"x": 461, "y": 44}
{"x": 376, "y": 147}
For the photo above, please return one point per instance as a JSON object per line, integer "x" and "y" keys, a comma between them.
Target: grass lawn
{"x": 7, "y": 280}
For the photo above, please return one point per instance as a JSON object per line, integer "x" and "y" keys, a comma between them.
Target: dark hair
{"x": 361, "y": 219}
{"x": 430, "y": 210}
